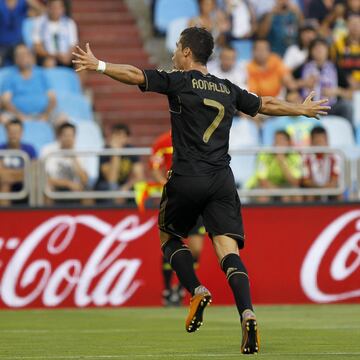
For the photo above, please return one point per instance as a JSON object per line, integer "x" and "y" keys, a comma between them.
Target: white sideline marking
{"x": 124, "y": 356}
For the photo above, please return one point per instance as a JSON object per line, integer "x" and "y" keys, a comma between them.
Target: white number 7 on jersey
{"x": 214, "y": 125}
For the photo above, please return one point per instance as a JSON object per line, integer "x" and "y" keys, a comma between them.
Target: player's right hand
{"x": 85, "y": 60}
{"x": 313, "y": 109}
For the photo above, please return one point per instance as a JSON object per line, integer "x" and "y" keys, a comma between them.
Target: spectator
{"x": 320, "y": 170}
{"x": 213, "y": 19}
{"x": 280, "y": 26}
{"x": 322, "y": 76}
{"x": 12, "y": 15}
{"x": 65, "y": 173}
{"x": 119, "y": 172}
{"x": 267, "y": 74}
{"x": 55, "y": 36}
{"x": 346, "y": 52}
{"x": 275, "y": 171}
{"x": 26, "y": 92}
{"x": 12, "y": 167}
{"x": 297, "y": 54}
{"x": 227, "y": 67}
{"x": 243, "y": 18}
{"x": 321, "y": 9}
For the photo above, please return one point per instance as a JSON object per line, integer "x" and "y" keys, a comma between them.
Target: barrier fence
{"x": 35, "y": 186}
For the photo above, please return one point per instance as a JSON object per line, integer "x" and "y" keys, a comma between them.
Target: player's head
{"x": 194, "y": 46}
{"x": 318, "y": 136}
{"x": 14, "y": 131}
{"x": 282, "y": 138}
{"x": 66, "y": 133}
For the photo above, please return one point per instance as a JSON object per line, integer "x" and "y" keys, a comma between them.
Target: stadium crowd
{"x": 283, "y": 48}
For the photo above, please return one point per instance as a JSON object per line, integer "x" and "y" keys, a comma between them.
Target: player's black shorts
{"x": 214, "y": 197}
{"x": 198, "y": 229}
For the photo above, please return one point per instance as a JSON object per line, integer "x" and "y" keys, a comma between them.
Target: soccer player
{"x": 201, "y": 183}
{"x": 160, "y": 164}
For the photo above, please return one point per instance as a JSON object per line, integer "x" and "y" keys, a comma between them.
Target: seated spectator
{"x": 280, "y": 26}
{"x": 322, "y": 76}
{"x": 55, "y": 36}
{"x": 243, "y": 18}
{"x": 119, "y": 172}
{"x": 267, "y": 74}
{"x": 12, "y": 15}
{"x": 297, "y": 54}
{"x": 227, "y": 67}
{"x": 275, "y": 171}
{"x": 213, "y": 19}
{"x": 26, "y": 92}
{"x": 346, "y": 52}
{"x": 12, "y": 167}
{"x": 65, "y": 173}
{"x": 320, "y": 170}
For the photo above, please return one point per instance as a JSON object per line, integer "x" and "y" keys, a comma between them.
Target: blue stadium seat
{"x": 358, "y": 135}
{"x": 38, "y": 133}
{"x": 271, "y": 126}
{"x": 27, "y": 31}
{"x": 174, "y": 30}
{"x": 75, "y": 106}
{"x": 340, "y": 132}
{"x": 63, "y": 80}
{"x": 89, "y": 137}
{"x": 2, "y": 134}
{"x": 244, "y": 133}
{"x": 168, "y": 10}
{"x": 243, "y": 49}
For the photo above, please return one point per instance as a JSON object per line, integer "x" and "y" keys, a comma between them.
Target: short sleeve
{"x": 163, "y": 82}
{"x": 247, "y": 102}
{"x": 8, "y": 84}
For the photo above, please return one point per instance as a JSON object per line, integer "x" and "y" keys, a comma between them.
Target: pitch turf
{"x": 289, "y": 332}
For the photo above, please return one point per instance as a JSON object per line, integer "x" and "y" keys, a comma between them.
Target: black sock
{"x": 167, "y": 273}
{"x": 180, "y": 258}
{"x": 238, "y": 279}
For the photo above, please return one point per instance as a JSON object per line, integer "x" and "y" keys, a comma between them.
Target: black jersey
{"x": 202, "y": 108}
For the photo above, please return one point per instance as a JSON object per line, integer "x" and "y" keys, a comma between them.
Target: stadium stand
{"x": 168, "y": 10}
{"x": 76, "y": 106}
{"x": 63, "y": 80}
{"x": 339, "y": 131}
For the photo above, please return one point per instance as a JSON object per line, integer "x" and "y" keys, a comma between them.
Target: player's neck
{"x": 199, "y": 67}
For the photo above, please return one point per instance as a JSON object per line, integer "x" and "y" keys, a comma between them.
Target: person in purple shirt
{"x": 12, "y": 167}
{"x": 12, "y": 15}
{"x": 26, "y": 91}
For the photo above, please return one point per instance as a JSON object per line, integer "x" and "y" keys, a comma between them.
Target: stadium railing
{"x": 28, "y": 189}
{"x": 343, "y": 184}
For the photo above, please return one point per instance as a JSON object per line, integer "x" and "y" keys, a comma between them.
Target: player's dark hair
{"x": 63, "y": 126}
{"x": 317, "y": 130}
{"x": 14, "y": 121}
{"x": 284, "y": 133}
{"x": 121, "y": 127}
{"x": 199, "y": 41}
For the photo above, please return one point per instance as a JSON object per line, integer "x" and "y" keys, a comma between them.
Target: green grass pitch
{"x": 287, "y": 332}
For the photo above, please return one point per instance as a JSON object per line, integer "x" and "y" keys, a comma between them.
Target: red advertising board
{"x": 102, "y": 257}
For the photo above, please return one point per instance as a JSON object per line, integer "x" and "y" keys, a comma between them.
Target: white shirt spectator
{"x": 60, "y": 167}
{"x": 241, "y": 18}
{"x": 295, "y": 57}
{"x": 56, "y": 36}
{"x": 237, "y": 75}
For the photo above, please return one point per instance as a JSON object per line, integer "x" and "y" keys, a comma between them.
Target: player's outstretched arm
{"x": 126, "y": 74}
{"x": 309, "y": 108}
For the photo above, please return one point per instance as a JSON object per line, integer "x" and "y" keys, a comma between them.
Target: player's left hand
{"x": 85, "y": 60}
{"x": 314, "y": 109}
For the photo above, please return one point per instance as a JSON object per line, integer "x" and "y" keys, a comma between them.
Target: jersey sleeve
{"x": 247, "y": 102}
{"x": 163, "y": 82}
